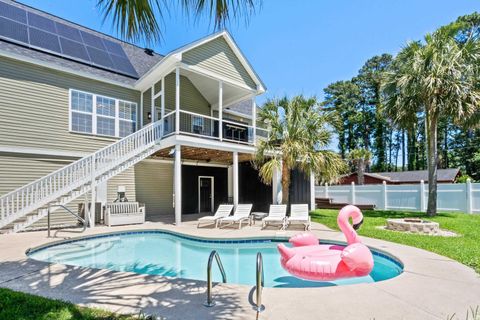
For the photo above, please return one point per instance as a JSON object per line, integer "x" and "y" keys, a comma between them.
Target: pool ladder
{"x": 259, "y": 307}
{"x": 213, "y": 254}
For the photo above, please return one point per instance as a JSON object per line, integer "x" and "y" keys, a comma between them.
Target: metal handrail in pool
{"x": 259, "y": 307}
{"x": 214, "y": 253}
{"x": 80, "y": 219}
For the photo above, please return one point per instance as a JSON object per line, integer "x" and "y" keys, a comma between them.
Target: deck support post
{"x": 162, "y": 108}
{"x": 177, "y": 173}
{"x": 235, "y": 178}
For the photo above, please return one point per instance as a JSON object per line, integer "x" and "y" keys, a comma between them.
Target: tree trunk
{"x": 403, "y": 150}
{"x": 360, "y": 171}
{"x": 432, "y": 156}
{"x": 285, "y": 183}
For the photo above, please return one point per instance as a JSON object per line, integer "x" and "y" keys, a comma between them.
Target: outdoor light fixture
{"x": 149, "y": 116}
{"x": 171, "y": 152}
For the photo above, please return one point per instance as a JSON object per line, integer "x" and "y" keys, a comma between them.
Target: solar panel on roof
{"x": 99, "y": 57}
{"x": 74, "y": 49}
{"x": 44, "y": 40}
{"x": 68, "y": 32}
{"x": 43, "y": 33}
{"x": 13, "y": 13}
{"x": 92, "y": 40}
{"x": 114, "y": 48}
{"x": 122, "y": 64}
{"x": 40, "y": 22}
{"x": 13, "y": 30}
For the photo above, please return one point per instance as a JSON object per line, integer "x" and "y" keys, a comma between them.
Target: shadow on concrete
{"x": 122, "y": 292}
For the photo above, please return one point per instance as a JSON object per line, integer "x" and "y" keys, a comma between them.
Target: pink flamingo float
{"x": 312, "y": 261}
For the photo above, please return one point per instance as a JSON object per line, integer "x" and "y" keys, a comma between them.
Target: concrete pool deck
{"x": 431, "y": 286}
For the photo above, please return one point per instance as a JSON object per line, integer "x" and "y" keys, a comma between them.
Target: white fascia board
{"x": 161, "y": 69}
{"x": 187, "y": 162}
{"x": 62, "y": 69}
{"x": 190, "y": 141}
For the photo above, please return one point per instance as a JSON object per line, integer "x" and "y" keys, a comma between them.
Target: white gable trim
{"x": 176, "y": 55}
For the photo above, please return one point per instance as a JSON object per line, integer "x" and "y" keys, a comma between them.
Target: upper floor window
{"x": 96, "y": 114}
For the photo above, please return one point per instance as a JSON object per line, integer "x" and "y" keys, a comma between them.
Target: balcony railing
{"x": 196, "y": 124}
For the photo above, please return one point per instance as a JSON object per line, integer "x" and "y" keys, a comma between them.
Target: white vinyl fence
{"x": 461, "y": 197}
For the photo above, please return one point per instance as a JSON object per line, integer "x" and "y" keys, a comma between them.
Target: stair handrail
{"x": 214, "y": 254}
{"x": 76, "y": 173}
{"x": 80, "y": 219}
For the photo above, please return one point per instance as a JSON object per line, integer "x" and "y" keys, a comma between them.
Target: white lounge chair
{"x": 276, "y": 216}
{"x": 242, "y": 213}
{"x": 299, "y": 215}
{"x": 223, "y": 211}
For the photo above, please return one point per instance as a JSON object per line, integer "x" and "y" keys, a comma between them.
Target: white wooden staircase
{"x": 24, "y": 206}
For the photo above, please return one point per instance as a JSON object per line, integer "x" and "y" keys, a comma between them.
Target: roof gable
{"x": 218, "y": 57}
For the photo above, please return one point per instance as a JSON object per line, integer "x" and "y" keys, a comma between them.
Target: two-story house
{"x": 83, "y": 113}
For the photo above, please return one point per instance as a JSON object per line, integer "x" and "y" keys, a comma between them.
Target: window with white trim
{"x": 100, "y": 115}
{"x": 197, "y": 124}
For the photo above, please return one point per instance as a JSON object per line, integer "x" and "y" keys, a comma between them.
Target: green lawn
{"x": 465, "y": 248}
{"x": 22, "y": 306}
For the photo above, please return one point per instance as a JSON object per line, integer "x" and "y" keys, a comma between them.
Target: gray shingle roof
{"x": 415, "y": 176}
{"x": 141, "y": 61}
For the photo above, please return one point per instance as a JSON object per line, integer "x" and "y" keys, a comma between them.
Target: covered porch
{"x": 189, "y": 102}
{"x": 189, "y": 178}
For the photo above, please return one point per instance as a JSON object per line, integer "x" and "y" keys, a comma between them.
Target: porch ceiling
{"x": 204, "y": 154}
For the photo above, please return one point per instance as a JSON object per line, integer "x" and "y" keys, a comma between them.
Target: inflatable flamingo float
{"x": 312, "y": 261}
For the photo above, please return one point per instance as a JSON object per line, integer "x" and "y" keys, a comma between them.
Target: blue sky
{"x": 300, "y": 46}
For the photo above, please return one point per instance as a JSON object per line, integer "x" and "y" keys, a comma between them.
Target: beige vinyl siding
{"x": 190, "y": 98}
{"x": 18, "y": 171}
{"x": 154, "y": 187}
{"x": 147, "y": 106}
{"x": 127, "y": 179}
{"x": 34, "y": 104}
{"x": 217, "y": 56}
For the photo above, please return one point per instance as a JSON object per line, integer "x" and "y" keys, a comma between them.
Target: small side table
{"x": 258, "y": 216}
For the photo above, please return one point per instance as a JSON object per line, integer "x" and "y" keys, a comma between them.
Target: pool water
{"x": 167, "y": 254}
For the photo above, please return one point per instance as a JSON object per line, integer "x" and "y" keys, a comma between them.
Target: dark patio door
{"x": 205, "y": 194}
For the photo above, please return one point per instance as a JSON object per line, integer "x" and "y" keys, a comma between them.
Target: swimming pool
{"x": 164, "y": 253}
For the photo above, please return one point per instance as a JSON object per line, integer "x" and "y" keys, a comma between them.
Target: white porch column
{"x": 177, "y": 100}
{"x": 254, "y": 121}
{"x": 93, "y": 198}
{"x": 277, "y": 192}
{"x": 312, "y": 192}
{"x": 177, "y": 180}
{"x": 235, "y": 178}
{"x": 152, "y": 107}
{"x": 141, "y": 124}
{"x": 220, "y": 110}
{"x": 162, "y": 107}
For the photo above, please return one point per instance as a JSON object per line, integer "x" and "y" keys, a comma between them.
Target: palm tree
{"x": 360, "y": 158}
{"x": 435, "y": 78}
{"x": 137, "y": 20}
{"x": 297, "y": 140}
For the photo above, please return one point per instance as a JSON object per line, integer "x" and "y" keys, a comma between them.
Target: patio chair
{"x": 299, "y": 215}
{"x": 276, "y": 216}
{"x": 242, "y": 213}
{"x": 223, "y": 211}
